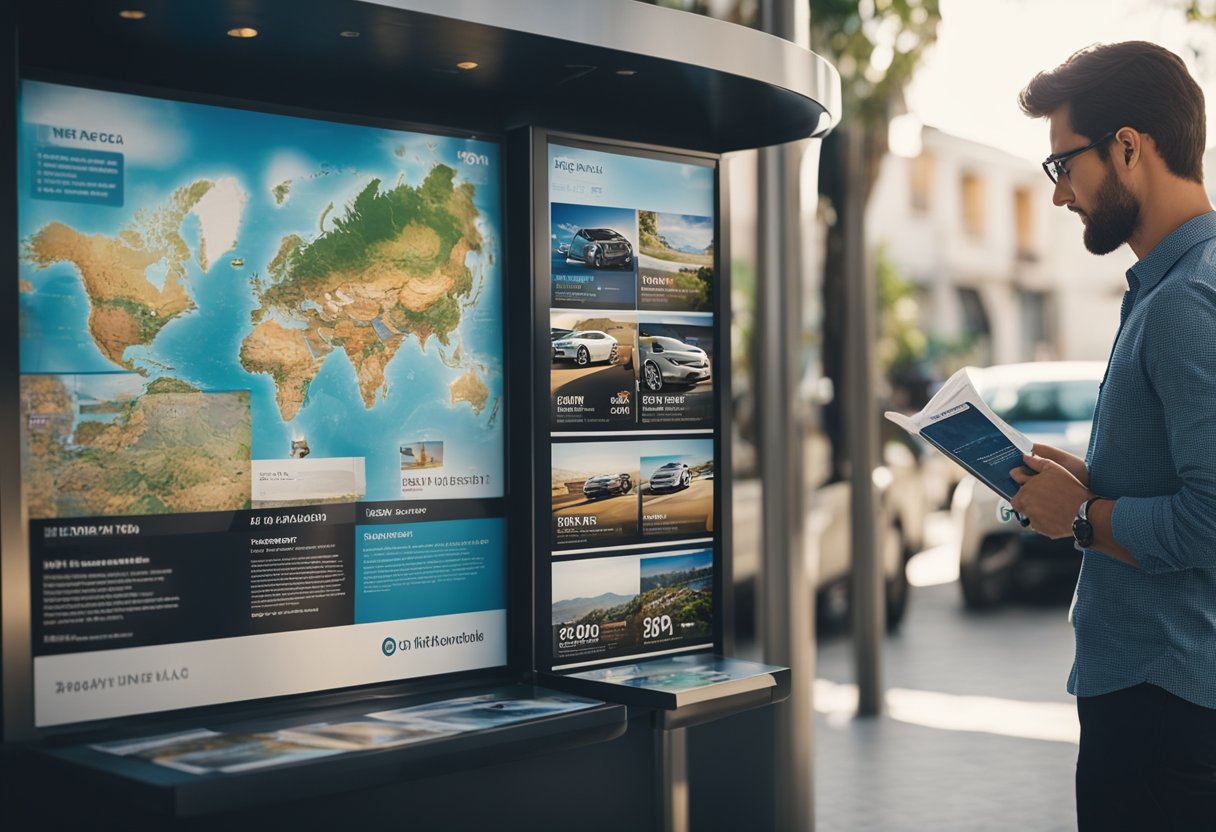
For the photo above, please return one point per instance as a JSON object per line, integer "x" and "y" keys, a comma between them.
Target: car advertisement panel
{"x": 592, "y": 380}
{"x": 677, "y": 488}
{"x": 674, "y": 365}
{"x": 609, "y": 607}
{"x": 594, "y": 492}
{"x": 238, "y": 361}
{"x": 593, "y": 256}
{"x": 630, "y": 232}
{"x": 608, "y": 494}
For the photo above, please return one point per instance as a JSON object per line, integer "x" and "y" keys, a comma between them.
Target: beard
{"x": 1114, "y": 218}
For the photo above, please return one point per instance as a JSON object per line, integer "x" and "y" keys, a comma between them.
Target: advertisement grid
{"x": 630, "y": 288}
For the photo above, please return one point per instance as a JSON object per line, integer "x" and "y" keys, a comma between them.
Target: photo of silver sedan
{"x": 674, "y": 476}
{"x": 585, "y": 347}
{"x": 668, "y": 361}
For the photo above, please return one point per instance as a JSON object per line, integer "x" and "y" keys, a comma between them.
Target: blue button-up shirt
{"x": 1153, "y": 447}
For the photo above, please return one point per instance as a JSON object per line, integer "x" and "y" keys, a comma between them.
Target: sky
{"x": 987, "y": 50}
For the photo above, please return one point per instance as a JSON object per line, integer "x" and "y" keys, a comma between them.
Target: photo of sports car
{"x": 600, "y": 248}
{"x": 669, "y": 361}
{"x": 674, "y": 476}
{"x": 607, "y": 485}
{"x": 585, "y": 347}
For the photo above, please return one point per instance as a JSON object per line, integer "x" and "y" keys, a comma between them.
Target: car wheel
{"x": 612, "y": 354}
{"x": 652, "y": 377}
{"x": 897, "y": 599}
{"x": 582, "y": 358}
{"x": 834, "y": 602}
{"x": 832, "y": 605}
{"x": 685, "y": 479}
{"x": 599, "y": 259}
{"x": 986, "y": 581}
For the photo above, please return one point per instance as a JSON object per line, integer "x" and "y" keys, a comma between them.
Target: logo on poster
{"x": 568, "y": 165}
{"x": 470, "y": 158}
{"x": 388, "y": 646}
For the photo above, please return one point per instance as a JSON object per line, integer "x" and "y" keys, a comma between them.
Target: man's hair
{"x": 1134, "y": 84}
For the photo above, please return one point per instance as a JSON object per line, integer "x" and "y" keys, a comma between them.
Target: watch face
{"x": 1083, "y": 531}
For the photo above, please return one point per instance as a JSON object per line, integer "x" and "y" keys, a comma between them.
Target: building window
{"x": 920, "y": 184}
{"x": 1038, "y": 325}
{"x": 973, "y": 204}
{"x": 976, "y": 327}
{"x": 1023, "y": 208}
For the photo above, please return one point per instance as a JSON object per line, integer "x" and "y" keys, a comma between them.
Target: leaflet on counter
{"x": 958, "y": 423}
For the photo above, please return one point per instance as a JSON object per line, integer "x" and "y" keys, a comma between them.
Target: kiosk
{"x": 362, "y": 446}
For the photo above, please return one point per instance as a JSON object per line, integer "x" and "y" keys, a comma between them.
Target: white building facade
{"x": 975, "y": 229}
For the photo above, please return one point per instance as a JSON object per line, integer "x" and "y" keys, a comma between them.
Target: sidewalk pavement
{"x": 979, "y": 732}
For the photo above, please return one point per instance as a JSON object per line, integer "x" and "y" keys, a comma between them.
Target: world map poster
{"x": 261, "y": 383}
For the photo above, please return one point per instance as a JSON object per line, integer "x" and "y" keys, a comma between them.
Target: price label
{"x": 579, "y": 632}
{"x": 657, "y": 626}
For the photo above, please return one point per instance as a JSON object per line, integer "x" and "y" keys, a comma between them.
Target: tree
{"x": 876, "y": 45}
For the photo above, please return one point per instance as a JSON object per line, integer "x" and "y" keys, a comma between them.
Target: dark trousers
{"x": 1147, "y": 763}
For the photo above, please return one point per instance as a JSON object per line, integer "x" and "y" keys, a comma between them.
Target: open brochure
{"x": 958, "y": 423}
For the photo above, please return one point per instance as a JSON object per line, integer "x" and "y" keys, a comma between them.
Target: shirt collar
{"x": 1147, "y": 273}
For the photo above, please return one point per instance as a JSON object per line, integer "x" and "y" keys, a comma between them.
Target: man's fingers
{"x": 1036, "y": 463}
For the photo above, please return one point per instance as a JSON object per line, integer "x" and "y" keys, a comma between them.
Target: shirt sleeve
{"x": 1178, "y": 531}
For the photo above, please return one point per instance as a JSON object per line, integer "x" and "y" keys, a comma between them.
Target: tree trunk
{"x": 833, "y": 166}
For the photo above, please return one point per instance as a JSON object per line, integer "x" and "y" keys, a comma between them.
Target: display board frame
{"x": 15, "y": 568}
{"x": 542, "y": 400}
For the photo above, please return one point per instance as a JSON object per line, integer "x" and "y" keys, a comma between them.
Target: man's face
{"x": 1093, "y": 190}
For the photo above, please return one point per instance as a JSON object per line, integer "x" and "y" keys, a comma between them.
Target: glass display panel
{"x": 261, "y": 376}
{"x": 632, "y": 284}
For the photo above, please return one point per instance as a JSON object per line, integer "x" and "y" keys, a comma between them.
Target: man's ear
{"x": 1132, "y": 142}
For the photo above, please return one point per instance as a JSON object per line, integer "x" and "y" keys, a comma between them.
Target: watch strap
{"x": 1083, "y": 511}
{"x": 1082, "y": 540}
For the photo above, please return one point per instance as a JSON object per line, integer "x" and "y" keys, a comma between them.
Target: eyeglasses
{"x": 1053, "y": 165}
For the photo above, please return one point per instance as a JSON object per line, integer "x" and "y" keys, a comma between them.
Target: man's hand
{"x": 1049, "y": 494}
{"x": 1071, "y": 463}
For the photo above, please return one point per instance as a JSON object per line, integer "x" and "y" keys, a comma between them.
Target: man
{"x": 1127, "y": 139}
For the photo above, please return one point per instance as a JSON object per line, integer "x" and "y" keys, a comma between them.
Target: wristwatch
{"x": 1082, "y": 529}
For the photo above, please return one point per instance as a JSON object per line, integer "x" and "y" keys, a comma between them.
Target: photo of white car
{"x": 669, "y": 361}
{"x": 585, "y": 347}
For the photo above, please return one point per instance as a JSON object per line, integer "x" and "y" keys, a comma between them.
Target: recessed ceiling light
{"x": 348, "y": 34}
{"x": 132, "y": 14}
{"x": 243, "y": 32}
{"x": 467, "y": 65}
{"x": 627, "y": 72}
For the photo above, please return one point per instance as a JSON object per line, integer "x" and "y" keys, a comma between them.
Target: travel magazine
{"x": 958, "y": 423}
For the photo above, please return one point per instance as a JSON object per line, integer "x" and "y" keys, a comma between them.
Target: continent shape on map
{"x": 470, "y": 388}
{"x": 172, "y": 449}
{"x": 127, "y": 309}
{"x": 393, "y": 265}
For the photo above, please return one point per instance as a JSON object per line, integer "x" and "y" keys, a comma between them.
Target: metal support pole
{"x": 785, "y": 625}
{"x": 672, "y": 751}
{"x": 861, "y": 428}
